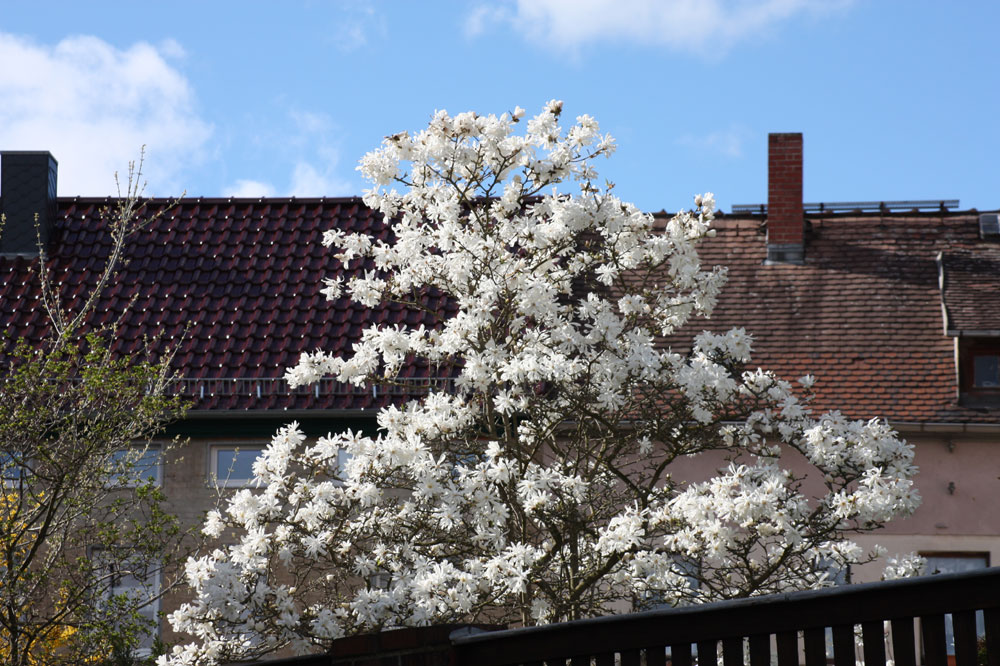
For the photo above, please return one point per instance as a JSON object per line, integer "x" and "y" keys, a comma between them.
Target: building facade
{"x": 893, "y": 308}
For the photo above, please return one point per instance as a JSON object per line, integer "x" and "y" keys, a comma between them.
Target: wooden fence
{"x": 791, "y": 627}
{"x": 933, "y": 622}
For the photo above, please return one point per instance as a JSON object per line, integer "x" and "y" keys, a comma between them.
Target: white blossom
{"x": 903, "y": 566}
{"x": 536, "y": 484}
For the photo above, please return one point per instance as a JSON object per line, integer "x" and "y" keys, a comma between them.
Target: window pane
{"x": 687, "y": 567}
{"x": 986, "y": 371}
{"x": 955, "y": 563}
{"x": 138, "y": 466}
{"x": 342, "y": 458}
{"x": 12, "y": 468}
{"x": 142, "y": 591}
{"x": 138, "y": 589}
{"x": 234, "y": 466}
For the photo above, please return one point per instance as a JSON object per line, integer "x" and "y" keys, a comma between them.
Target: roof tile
{"x": 863, "y": 313}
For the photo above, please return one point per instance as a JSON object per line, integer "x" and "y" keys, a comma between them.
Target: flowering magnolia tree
{"x": 538, "y": 485}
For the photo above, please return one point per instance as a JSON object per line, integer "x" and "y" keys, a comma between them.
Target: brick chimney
{"x": 27, "y": 189}
{"x": 785, "y": 220}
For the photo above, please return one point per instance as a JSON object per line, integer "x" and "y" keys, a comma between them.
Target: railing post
{"x": 903, "y": 651}
{"x": 630, "y": 658}
{"x": 680, "y": 654}
{"x": 655, "y": 656}
{"x": 873, "y": 636}
{"x": 760, "y": 650}
{"x": 708, "y": 653}
{"x": 732, "y": 651}
{"x": 964, "y": 625}
{"x": 788, "y": 648}
{"x": 991, "y": 620}
{"x": 815, "y": 646}
{"x": 843, "y": 645}
{"x": 932, "y": 630}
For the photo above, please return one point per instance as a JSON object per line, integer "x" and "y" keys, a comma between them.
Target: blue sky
{"x": 896, "y": 99}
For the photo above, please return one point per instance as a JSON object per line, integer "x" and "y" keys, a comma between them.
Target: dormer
{"x": 970, "y": 303}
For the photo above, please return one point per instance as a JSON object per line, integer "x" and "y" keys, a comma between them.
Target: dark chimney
{"x": 785, "y": 220}
{"x": 27, "y": 189}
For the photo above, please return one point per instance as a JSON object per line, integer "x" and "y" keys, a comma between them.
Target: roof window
{"x": 986, "y": 370}
{"x": 979, "y": 372}
{"x": 989, "y": 226}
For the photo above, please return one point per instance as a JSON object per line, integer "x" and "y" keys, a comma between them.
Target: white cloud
{"x": 357, "y": 23}
{"x": 726, "y": 142}
{"x": 310, "y": 123}
{"x": 351, "y": 36}
{"x": 251, "y": 189}
{"x": 309, "y": 181}
{"x": 480, "y": 17}
{"x": 702, "y": 26}
{"x": 314, "y": 143}
{"x": 94, "y": 106}
{"x": 172, "y": 49}
{"x": 309, "y": 145}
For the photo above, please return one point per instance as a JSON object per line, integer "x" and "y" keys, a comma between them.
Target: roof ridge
{"x": 214, "y": 200}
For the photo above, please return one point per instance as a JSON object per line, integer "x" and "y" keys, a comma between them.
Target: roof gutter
{"x": 209, "y": 415}
{"x": 973, "y": 333}
{"x": 944, "y": 427}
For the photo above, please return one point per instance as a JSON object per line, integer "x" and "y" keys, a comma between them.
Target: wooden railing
{"x": 786, "y": 629}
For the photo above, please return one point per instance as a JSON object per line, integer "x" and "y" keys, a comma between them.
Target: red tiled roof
{"x": 971, "y": 295}
{"x": 239, "y": 279}
{"x": 863, "y": 314}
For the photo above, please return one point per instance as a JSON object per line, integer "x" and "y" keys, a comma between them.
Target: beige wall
{"x": 963, "y": 519}
{"x": 191, "y": 492}
{"x": 187, "y": 482}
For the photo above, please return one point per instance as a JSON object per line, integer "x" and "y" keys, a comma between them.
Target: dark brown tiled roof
{"x": 971, "y": 294}
{"x": 240, "y": 279}
{"x": 863, "y": 314}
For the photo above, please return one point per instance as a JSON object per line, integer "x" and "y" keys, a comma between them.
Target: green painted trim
{"x": 264, "y": 428}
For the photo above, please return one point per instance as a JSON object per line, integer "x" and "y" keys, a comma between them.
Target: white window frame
{"x": 222, "y": 477}
{"x": 342, "y": 459}
{"x": 150, "y": 611}
{"x": 139, "y": 479}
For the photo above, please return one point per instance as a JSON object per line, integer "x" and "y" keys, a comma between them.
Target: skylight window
{"x": 989, "y": 225}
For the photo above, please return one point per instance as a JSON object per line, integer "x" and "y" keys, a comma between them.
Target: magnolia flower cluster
{"x": 539, "y": 485}
{"x": 903, "y": 566}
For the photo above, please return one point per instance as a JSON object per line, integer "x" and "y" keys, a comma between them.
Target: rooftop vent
{"x": 989, "y": 225}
